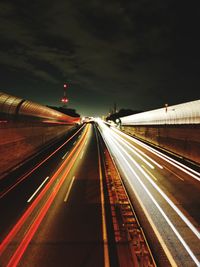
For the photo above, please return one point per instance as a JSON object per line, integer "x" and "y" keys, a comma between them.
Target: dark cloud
{"x": 140, "y": 54}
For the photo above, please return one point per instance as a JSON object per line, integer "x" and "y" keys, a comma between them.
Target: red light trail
{"x": 2, "y": 194}
{"x": 35, "y": 224}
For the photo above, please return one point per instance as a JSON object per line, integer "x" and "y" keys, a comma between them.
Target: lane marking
{"x": 195, "y": 231}
{"x": 33, "y": 228}
{"x": 149, "y": 173}
{"x": 69, "y": 189}
{"x": 172, "y": 161}
{"x": 139, "y": 151}
{"x": 160, "y": 239}
{"x": 111, "y": 143}
{"x": 182, "y": 216}
{"x": 82, "y": 154}
{"x": 16, "y": 228}
{"x": 74, "y": 143}
{"x": 127, "y": 144}
{"x": 104, "y": 229}
{"x": 29, "y": 200}
{"x": 176, "y": 209}
{"x": 3, "y": 193}
{"x": 174, "y": 173}
{"x": 65, "y": 154}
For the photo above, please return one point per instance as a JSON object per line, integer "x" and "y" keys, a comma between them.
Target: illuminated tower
{"x": 115, "y": 108}
{"x": 64, "y": 100}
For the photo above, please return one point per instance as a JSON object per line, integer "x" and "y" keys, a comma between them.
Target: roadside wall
{"x": 183, "y": 140}
{"x": 18, "y": 141}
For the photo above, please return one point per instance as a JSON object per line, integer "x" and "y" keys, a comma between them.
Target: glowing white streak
{"x": 136, "y": 153}
{"x": 162, "y": 242}
{"x": 37, "y": 189}
{"x": 194, "y": 230}
{"x": 158, "y": 206}
{"x": 139, "y": 151}
{"x": 175, "y": 163}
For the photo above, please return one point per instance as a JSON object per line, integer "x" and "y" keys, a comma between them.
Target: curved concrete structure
{"x": 186, "y": 113}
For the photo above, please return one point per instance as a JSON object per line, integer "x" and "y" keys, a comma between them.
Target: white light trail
{"x": 139, "y": 151}
{"x": 175, "y": 163}
{"x": 194, "y": 230}
{"x": 117, "y": 146}
{"x": 112, "y": 146}
{"x": 136, "y": 153}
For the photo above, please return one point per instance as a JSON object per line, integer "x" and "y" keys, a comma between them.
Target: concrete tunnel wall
{"x": 183, "y": 140}
{"x": 18, "y": 141}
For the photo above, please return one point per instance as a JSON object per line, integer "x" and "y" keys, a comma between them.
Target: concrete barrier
{"x": 183, "y": 140}
{"x": 19, "y": 141}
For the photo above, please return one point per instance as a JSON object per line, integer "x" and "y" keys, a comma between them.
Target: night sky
{"x": 139, "y": 54}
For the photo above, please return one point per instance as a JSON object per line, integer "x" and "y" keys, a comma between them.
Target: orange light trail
{"x": 29, "y": 235}
{"x": 2, "y": 194}
{"x": 19, "y": 252}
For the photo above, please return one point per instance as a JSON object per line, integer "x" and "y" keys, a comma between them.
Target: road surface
{"x": 164, "y": 192}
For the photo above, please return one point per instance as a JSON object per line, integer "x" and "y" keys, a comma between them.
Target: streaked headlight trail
{"x": 131, "y": 161}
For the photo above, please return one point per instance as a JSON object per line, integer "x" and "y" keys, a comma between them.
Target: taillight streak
{"x": 2, "y": 194}
{"x": 30, "y": 209}
{"x": 29, "y": 235}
